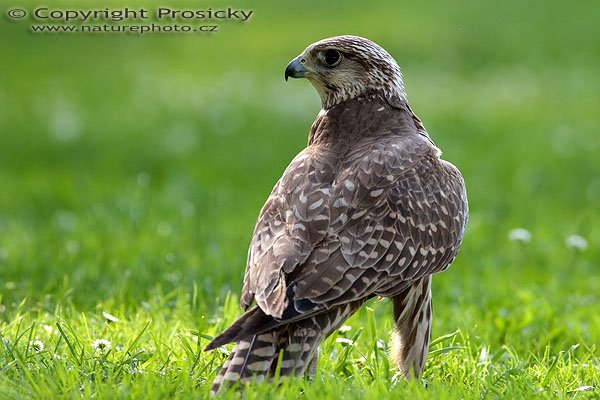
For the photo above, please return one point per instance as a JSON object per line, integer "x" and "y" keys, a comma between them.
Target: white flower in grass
{"x": 37, "y": 345}
{"x": 101, "y": 345}
{"x": 345, "y": 328}
{"x": 576, "y": 242}
{"x": 519, "y": 235}
{"x": 344, "y": 341}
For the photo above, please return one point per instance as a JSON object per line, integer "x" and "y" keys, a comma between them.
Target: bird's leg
{"x": 412, "y": 331}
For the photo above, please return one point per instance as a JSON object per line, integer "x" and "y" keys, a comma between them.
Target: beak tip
{"x": 295, "y": 69}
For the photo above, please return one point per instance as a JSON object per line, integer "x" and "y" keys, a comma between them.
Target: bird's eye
{"x": 332, "y": 58}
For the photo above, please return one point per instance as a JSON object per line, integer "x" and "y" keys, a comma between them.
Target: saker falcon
{"x": 367, "y": 209}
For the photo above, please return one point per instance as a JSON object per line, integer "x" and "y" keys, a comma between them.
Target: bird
{"x": 368, "y": 209}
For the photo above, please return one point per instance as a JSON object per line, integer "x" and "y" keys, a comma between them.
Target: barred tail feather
{"x": 251, "y": 358}
{"x": 300, "y": 346}
{"x": 412, "y": 332}
{"x": 256, "y": 356}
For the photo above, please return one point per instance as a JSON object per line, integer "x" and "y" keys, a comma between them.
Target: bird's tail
{"x": 253, "y": 357}
{"x": 256, "y": 356}
{"x": 412, "y": 332}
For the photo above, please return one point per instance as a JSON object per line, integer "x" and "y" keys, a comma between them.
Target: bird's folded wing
{"x": 387, "y": 217}
{"x": 292, "y": 222}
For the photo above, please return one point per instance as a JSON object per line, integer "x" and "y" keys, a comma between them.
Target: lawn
{"x": 132, "y": 169}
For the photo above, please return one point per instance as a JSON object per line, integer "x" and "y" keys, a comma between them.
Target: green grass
{"x": 132, "y": 170}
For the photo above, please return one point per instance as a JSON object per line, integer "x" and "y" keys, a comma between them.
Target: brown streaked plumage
{"x": 367, "y": 209}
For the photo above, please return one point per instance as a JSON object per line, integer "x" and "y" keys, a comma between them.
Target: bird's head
{"x": 345, "y": 67}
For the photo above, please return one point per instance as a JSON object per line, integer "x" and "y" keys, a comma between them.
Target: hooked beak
{"x": 295, "y": 69}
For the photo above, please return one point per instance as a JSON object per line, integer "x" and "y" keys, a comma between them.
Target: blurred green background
{"x": 132, "y": 165}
